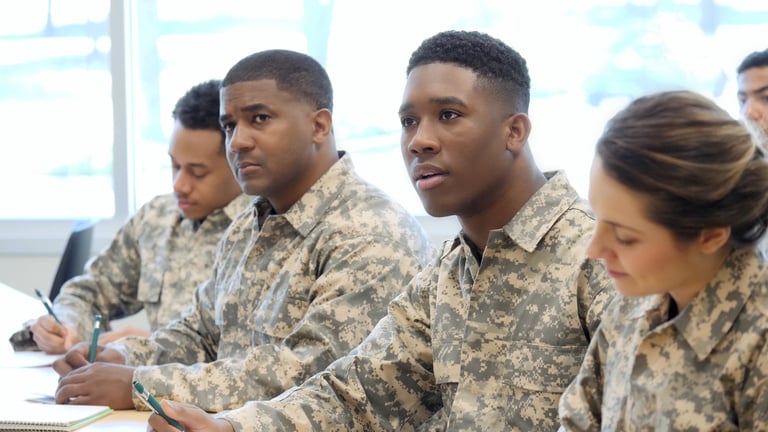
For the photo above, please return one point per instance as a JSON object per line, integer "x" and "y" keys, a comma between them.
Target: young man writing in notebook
{"x": 490, "y": 334}
{"x": 299, "y": 280}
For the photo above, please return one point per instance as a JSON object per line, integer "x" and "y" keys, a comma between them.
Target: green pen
{"x": 153, "y": 404}
{"x": 95, "y": 338}
{"x": 47, "y": 303}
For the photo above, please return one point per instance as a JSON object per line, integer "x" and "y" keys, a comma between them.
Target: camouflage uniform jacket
{"x": 289, "y": 294}
{"x": 155, "y": 262}
{"x": 468, "y": 345}
{"x": 706, "y": 369}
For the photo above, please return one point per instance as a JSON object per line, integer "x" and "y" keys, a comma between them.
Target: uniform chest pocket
{"x": 541, "y": 368}
{"x": 517, "y": 385}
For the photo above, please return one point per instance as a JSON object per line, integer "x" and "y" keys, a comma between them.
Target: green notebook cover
{"x": 45, "y": 417}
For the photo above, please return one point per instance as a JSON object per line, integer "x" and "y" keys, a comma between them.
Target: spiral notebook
{"x": 43, "y": 417}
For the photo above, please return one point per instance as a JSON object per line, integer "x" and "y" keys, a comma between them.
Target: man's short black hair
{"x": 295, "y": 73}
{"x": 753, "y": 60}
{"x": 199, "y": 108}
{"x": 490, "y": 58}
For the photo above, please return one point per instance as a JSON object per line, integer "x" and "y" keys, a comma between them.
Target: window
{"x": 56, "y": 108}
{"x": 61, "y": 162}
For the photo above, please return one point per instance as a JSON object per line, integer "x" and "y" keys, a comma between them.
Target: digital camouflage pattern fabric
{"x": 704, "y": 370}
{"x": 289, "y": 294}
{"x": 469, "y": 345}
{"x": 155, "y": 262}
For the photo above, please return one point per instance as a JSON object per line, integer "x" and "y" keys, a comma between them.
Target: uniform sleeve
{"x": 189, "y": 340}
{"x": 752, "y": 407}
{"x": 580, "y": 405}
{"x": 596, "y": 291}
{"x": 384, "y": 384}
{"x": 108, "y": 286}
{"x": 348, "y": 297}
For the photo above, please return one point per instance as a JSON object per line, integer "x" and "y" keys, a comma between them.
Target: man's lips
{"x": 615, "y": 274}
{"x": 245, "y": 167}
{"x": 246, "y": 164}
{"x": 183, "y": 204}
{"x": 422, "y": 171}
{"x": 427, "y": 176}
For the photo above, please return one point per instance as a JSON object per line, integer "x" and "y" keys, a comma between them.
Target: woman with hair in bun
{"x": 679, "y": 191}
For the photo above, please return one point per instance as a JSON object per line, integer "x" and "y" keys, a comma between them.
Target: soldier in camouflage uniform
{"x": 752, "y": 80}
{"x": 298, "y": 281}
{"x": 678, "y": 187}
{"x": 163, "y": 252}
{"x": 489, "y": 335}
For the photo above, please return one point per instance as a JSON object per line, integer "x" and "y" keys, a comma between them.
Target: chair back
{"x": 75, "y": 255}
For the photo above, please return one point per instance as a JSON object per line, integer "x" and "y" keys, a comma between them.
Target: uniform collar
{"x": 712, "y": 313}
{"x": 541, "y": 211}
{"x": 535, "y": 218}
{"x": 308, "y": 211}
{"x": 238, "y": 205}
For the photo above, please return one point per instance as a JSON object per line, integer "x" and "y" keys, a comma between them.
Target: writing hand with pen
{"x": 49, "y": 333}
{"x": 190, "y": 417}
{"x": 94, "y": 375}
{"x": 52, "y": 337}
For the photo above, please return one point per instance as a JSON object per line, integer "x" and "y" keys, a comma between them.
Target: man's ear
{"x": 712, "y": 239}
{"x": 322, "y": 124}
{"x": 517, "y": 128}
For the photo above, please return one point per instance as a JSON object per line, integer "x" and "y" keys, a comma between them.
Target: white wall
{"x": 25, "y": 273}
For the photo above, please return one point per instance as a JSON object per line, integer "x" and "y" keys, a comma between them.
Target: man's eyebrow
{"x": 755, "y": 91}
{"x": 192, "y": 164}
{"x": 253, "y": 107}
{"x": 405, "y": 107}
{"x": 445, "y": 100}
{"x": 246, "y": 109}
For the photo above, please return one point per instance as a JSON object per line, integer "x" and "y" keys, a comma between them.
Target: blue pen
{"x": 47, "y": 303}
{"x": 95, "y": 338}
{"x": 154, "y": 405}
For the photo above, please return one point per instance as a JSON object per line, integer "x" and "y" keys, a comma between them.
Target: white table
{"x": 15, "y": 309}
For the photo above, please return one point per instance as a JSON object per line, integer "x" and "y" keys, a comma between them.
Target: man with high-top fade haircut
{"x": 299, "y": 280}
{"x": 489, "y": 335}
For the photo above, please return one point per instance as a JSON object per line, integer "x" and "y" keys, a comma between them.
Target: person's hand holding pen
{"x": 105, "y": 382}
{"x": 191, "y": 418}
{"x": 49, "y": 333}
{"x": 97, "y": 384}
